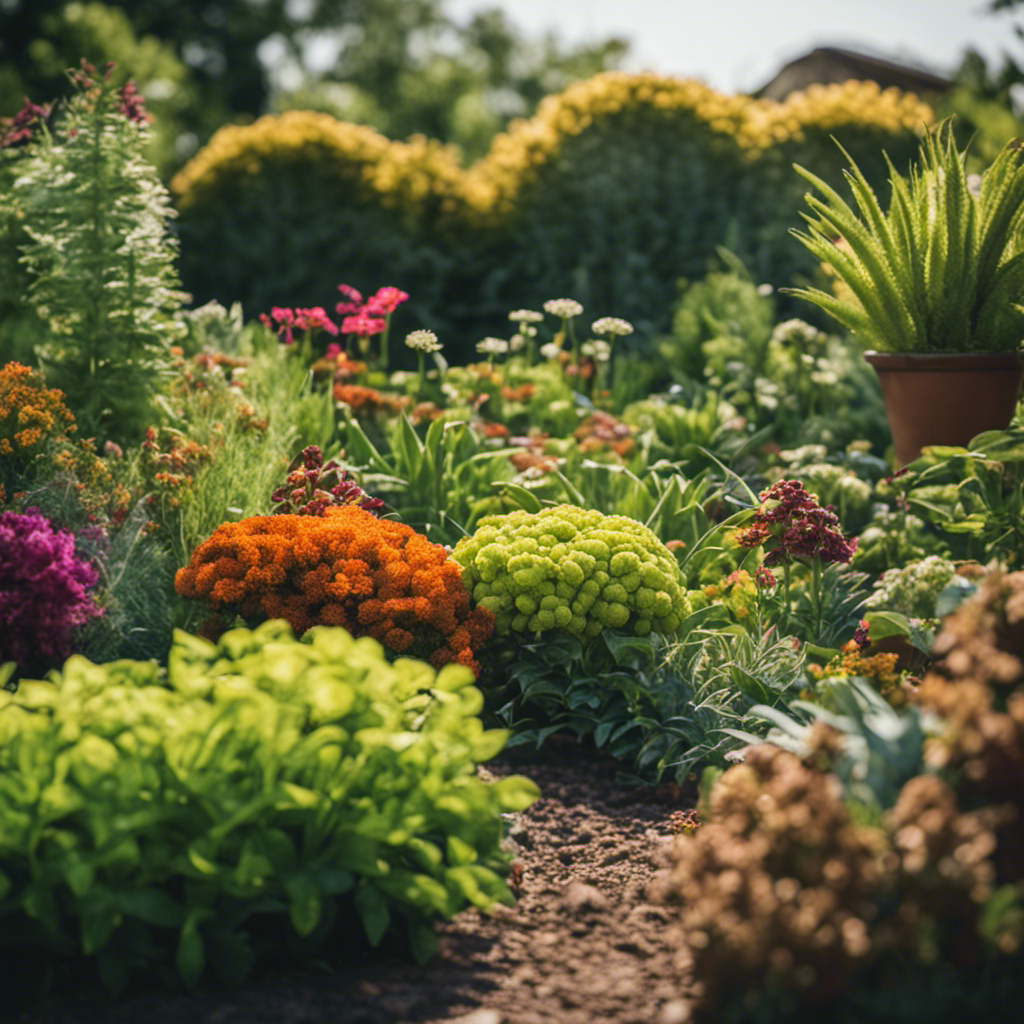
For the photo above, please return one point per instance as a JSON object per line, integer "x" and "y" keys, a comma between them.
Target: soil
{"x": 582, "y": 945}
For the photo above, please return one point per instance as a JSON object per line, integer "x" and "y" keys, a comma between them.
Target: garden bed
{"x": 581, "y": 945}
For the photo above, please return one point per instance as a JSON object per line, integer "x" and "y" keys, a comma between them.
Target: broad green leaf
{"x": 372, "y": 906}
{"x": 154, "y": 906}
{"x": 191, "y": 955}
{"x": 304, "y": 904}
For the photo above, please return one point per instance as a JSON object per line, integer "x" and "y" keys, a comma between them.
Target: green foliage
{"x": 882, "y": 748}
{"x": 608, "y": 193}
{"x": 436, "y": 482}
{"x": 941, "y": 270}
{"x": 158, "y": 817}
{"x": 99, "y": 258}
{"x": 974, "y": 497}
{"x": 593, "y": 689}
{"x": 704, "y": 691}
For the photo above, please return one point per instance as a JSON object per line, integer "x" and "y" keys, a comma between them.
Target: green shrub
{"x": 156, "y": 816}
{"x": 280, "y": 211}
{"x": 614, "y": 189}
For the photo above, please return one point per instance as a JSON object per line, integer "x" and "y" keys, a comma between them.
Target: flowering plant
{"x": 345, "y": 568}
{"x": 794, "y": 529}
{"x": 365, "y": 319}
{"x": 313, "y": 486}
{"x": 43, "y": 589}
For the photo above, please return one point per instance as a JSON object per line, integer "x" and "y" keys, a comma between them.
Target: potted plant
{"x": 933, "y": 287}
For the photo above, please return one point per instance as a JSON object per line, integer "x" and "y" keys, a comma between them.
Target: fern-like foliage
{"x": 99, "y": 257}
{"x": 942, "y": 270}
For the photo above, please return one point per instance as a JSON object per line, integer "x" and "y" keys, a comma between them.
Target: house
{"x": 828, "y": 64}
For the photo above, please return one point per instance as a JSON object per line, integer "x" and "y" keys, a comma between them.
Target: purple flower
{"x": 43, "y": 588}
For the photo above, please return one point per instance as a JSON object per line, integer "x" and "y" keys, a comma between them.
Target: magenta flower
{"x": 281, "y": 320}
{"x": 363, "y": 324}
{"x": 315, "y": 319}
{"x": 43, "y": 589}
{"x": 387, "y": 299}
{"x": 355, "y": 300}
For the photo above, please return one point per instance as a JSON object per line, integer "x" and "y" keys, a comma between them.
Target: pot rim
{"x": 949, "y": 361}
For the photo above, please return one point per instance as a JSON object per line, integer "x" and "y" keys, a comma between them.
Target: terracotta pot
{"x": 946, "y": 397}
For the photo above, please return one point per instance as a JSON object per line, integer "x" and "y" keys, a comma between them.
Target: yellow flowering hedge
{"x": 612, "y": 190}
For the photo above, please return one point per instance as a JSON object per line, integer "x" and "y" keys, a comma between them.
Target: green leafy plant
{"x": 942, "y": 270}
{"x": 99, "y": 255}
{"x": 157, "y": 817}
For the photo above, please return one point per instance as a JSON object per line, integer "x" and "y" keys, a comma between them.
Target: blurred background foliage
{"x": 400, "y": 66}
{"x": 476, "y": 166}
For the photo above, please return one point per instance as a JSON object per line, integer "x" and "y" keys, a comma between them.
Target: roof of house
{"x": 827, "y": 64}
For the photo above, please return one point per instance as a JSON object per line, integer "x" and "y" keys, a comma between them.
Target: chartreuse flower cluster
{"x": 346, "y": 568}
{"x": 260, "y": 781}
{"x": 574, "y": 569}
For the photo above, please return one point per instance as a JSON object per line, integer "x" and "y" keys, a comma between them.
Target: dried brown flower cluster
{"x": 781, "y": 891}
{"x": 779, "y": 881}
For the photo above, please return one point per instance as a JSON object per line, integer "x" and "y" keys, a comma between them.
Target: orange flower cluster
{"x": 366, "y": 401}
{"x": 348, "y": 568}
{"x": 30, "y": 412}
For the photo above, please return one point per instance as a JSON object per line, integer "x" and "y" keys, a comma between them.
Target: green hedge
{"x": 610, "y": 193}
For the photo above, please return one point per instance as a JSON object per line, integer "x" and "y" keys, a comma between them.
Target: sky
{"x": 738, "y": 45}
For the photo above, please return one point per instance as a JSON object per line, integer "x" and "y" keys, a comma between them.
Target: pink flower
{"x": 355, "y": 300}
{"x": 387, "y": 299}
{"x": 281, "y": 320}
{"x": 363, "y": 324}
{"x": 314, "y": 318}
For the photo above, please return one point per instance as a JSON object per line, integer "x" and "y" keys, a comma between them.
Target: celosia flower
{"x": 312, "y": 487}
{"x": 565, "y": 308}
{"x": 43, "y": 589}
{"x": 18, "y": 129}
{"x": 793, "y": 527}
{"x": 374, "y": 577}
{"x": 131, "y": 104}
{"x": 613, "y": 325}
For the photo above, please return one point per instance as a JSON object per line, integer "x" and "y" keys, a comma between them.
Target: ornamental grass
{"x": 347, "y": 568}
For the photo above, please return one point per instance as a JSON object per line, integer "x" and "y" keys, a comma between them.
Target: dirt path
{"x": 581, "y": 945}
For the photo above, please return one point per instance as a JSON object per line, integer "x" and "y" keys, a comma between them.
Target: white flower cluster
{"x": 613, "y": 325}
{"x": 565, "y": 308}
{"x": 423, "y": 341}
{"x": 525, "y": 316}
{"x": 912, "y": 591}
{"x": 599, "y": 350}
{"x": 492, "y": 347}
{"x": 798, "y": 332}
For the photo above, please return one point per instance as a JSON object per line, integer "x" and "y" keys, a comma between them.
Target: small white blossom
{"x": 525, "y": 316}
{"x": 797, "y": 332}
{"x": 550, "y": 350}
{"x": 613, "y": 325}
{"x": 764, "y": 290}
{"x": 565, "y": 308}
{"x": 598, "y": 349}
{"x": 516, "y": 342}
{"x": 423, "y": 341}
{"x": 492, "y": 347}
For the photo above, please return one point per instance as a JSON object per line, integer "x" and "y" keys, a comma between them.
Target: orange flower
{"x": 373, "y": 576}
